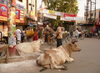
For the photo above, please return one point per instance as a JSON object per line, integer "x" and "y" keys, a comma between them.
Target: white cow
{"x": 54, "y": 58}
{"x": 29, "y": 47}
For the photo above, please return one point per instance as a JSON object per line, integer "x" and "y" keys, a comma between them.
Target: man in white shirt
{"x": 18, "y": 35}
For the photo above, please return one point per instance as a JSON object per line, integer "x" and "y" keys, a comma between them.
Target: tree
{"x": 66, "y": 6}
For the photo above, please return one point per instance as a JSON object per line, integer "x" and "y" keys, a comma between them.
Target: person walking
{"x": 18, "y": 35}
{"x": 35, "y": 36}
{"x": 46, "y": 33}
{"x": 59, "y": 35}
{"x": 22, "y": 36}
{"x": 76, "y": 33}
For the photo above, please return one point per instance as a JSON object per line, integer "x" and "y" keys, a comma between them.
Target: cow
{"x": 29, "y": 47}
{"x": 56, "y": 57}
{"x": 3, "y": 49}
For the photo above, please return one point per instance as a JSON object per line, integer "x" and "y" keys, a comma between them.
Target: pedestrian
{"x": 18, "y": 35}
{"x": 22, "y": 36}
{"x": 71, "y": 34}
{"x": 46, "y": 33}
{"x": 76, "y": 33}
{"x": 59, "y": 35}
{"x": 0, "y": 36}
{"x": 35, "y": 36}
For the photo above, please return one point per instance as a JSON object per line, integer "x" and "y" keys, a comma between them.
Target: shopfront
{"x": 4, "y": 16}
{"x": 3, "y": 19}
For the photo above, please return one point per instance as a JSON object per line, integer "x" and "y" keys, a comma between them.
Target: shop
{"x": 3, "y": 21}
{"x": 20, "y": 15}
{"x": 4, "y": 17}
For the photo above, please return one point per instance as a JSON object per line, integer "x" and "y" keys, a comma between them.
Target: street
{"x": 86, "y": 61}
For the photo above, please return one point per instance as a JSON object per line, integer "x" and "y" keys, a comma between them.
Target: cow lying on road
{"x": 3, "y": 49}
{"x": 55, "y": 58}
{"x": 29, "y": 47}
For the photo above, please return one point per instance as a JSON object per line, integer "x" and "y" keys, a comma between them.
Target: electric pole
{"x": 90, "y": 11}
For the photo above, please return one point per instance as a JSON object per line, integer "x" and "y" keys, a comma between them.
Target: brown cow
{"x": 3, "y": 49}
{"x": 29, "y": 47}
{"x": 54, "y": 58}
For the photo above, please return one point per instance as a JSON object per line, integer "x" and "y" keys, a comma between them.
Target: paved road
{"x": 86, "y": 61}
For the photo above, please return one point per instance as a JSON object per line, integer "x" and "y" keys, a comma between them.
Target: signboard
{"x": 21, "y": 16}
{"x": 50, "y": 16}
{"x": 31, "y": 14}
{"x": 13, "y": 2}
{"x": 20, "y": 5}
{"x": 3, "y": 10}
{"x": 19, "y": 11}
{"x": 17, "y": 14}
{"x": 3, "y": 18}
{"x": 5, "y": 2}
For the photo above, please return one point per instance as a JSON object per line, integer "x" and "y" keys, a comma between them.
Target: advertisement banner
{"x": 17, "y": 14}
{"x": 59, "y": 13}
{"x": 51, "y": 12}
{"x": 13, "y": 2}
{"x": 22, "y": 16}
{"x": 5, "y": 2}
{"x": 3, "y": 10}
{"x": 69, "y": 15}
{"x": 20, "y": 5}
{"x": 50, "y": 16}
{"x": 31, "y": 14}
{"x": 68, "y": 18}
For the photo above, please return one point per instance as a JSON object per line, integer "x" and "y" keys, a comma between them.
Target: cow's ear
{"x": 74, "y": 41}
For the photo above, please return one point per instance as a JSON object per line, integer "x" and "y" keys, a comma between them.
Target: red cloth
{"x": 12, "y": 50}
{"x": 35, "y": 37}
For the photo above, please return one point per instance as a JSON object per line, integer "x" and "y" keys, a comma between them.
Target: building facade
{"x": 92, "y": 15}
{"x": 4, "y": 14}
{"x": 95, "y": 21}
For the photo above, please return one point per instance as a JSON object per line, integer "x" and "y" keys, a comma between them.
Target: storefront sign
{"x": 50, "y": 16}
{"x": 20, "y": 5}
{"x": 31, "y": 14}
{"x": 19, "y": 11}
{"x": 3, "y": 18}
{"x": 3, "y": 10}
{"x": 4, "y": 2}
{"x": 13, "y": 2}
{"x": 22, "y": 16}
{"x": 17, "y": 14}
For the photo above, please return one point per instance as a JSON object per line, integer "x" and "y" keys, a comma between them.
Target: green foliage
{"x": 66, "y": 6}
